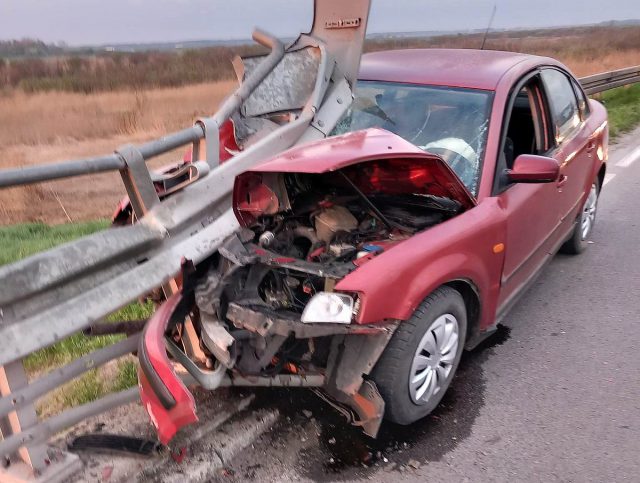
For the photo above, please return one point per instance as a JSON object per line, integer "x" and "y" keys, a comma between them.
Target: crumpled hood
{"x": 358, "y": 147}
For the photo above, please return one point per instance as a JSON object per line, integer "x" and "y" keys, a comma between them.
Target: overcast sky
{"x": 80, "y": 22}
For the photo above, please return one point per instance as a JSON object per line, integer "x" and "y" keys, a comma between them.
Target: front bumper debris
{"x": 165, "y": 397}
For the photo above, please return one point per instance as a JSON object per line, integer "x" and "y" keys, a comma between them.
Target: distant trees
{"x": 28, "y": 48}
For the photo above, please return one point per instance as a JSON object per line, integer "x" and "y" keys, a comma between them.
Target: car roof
{"x": 470, "y": 68}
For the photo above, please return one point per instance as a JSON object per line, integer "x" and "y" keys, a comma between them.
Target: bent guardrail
{"x": 57, "y": 293}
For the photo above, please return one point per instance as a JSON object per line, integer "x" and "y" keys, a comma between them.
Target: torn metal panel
{"x": 342, "y": 27}
{"x": 288, "y": 87}
{"x": 355, "y": 356}
{"x": 56, "y": 294}
{"x": 264, "y": 321}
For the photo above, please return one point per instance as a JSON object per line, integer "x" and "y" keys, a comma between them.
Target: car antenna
{"x": 493, "y": 14}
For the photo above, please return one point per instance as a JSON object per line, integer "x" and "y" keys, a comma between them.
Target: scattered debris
{"x": 307, "y": 413}
{"x": 114, "y": 442}
{"x": 179, "y": 455}
{"x": 106, "y": 473}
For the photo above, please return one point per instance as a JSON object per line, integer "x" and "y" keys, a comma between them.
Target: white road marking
{"x": 607, "y": 178}
{"x": 629, "y": 159}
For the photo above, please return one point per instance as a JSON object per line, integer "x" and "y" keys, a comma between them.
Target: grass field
{"x": 623, "y": 106}
{"x": 20, "y": 241}
{"x": 165, "y": 93}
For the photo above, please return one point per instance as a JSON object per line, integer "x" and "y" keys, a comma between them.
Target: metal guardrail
{"x": 594, "y": 84}
{"x": 60, "y": 292}
{"x": 112, "y": 268}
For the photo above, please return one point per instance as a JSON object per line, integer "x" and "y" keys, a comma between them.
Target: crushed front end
{"x": 267, "y": 309}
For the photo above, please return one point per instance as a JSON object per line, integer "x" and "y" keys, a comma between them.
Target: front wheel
{"x": 419, "y": 362}
{"x": 584, "y": 224}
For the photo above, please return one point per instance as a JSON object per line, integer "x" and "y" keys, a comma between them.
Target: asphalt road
{"x": 554, "y": 396}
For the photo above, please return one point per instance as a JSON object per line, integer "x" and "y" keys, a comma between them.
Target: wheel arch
{"x": 601, "y": 173}
{"x": 471, "y": 296}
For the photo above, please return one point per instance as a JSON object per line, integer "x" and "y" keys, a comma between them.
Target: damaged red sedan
{"x": 368, "y": 261}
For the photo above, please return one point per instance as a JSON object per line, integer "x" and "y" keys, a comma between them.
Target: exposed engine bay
{"x": 326, "y": 219}
{"x": 265, "y": 308}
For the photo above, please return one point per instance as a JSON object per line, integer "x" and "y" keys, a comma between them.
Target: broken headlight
{"x": 331, "y": 307}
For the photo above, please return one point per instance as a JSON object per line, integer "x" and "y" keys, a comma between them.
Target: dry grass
{"x": 63, "y": 117}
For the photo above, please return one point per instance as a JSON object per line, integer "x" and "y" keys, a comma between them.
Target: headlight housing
{"x": 330, "y": 307}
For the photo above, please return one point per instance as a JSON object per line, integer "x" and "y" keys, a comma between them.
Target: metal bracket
{"x": 209, "y": 144}
{"x": 12, "y": 379}
{"x": 137, "y": 180}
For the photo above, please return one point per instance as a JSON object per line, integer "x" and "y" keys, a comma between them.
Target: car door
{"x": 532, "y": 210}
{"x": 574, "y": 148}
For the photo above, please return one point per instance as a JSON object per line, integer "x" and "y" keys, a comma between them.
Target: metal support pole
{"x": 210, "y": 144}
{"x": 13, "y": 378}
{"x": 137, "y": 180}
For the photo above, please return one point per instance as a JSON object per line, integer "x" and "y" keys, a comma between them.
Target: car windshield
{"x": 450, "y": 122}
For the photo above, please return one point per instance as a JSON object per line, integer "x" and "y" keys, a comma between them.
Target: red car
{"x": 369, "y": 260}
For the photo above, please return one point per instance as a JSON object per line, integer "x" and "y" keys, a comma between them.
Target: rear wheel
{"x": 417, "y": 366}
{"x": 584, "y": 224}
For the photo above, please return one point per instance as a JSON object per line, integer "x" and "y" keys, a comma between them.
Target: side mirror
{"x": 529, "y": 168}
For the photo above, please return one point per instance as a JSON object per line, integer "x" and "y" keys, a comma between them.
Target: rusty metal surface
{"x": 45, "y": 429}
{"x": 18, "y": 398}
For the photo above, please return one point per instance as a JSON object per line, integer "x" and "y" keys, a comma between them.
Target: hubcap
{"x": 588, "y": 217}
{"x": 434, "y": 358}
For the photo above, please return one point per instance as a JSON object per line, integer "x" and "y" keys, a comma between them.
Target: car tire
{"x": 422, "y": 345}
{"x": 578, "y": 241}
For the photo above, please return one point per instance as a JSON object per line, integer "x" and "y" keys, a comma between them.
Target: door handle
{"x": 562, "y": 180}
{"x": 591, "y": 146}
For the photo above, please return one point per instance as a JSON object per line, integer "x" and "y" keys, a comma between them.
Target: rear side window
{"x": 583, "y": 102}
{"x": 564, "y": 106}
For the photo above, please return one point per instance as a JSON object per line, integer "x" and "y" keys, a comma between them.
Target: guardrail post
{"x": 137, "y": 180}
{"x": 13, "y": 377}
{"x": 209, "y": 145}
{"x": 32, "y": 463}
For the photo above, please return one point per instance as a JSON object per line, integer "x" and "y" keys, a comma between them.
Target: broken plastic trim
{"x": 165, "y": 397}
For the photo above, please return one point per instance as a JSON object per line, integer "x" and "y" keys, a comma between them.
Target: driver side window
{"x": 525, "y": 131}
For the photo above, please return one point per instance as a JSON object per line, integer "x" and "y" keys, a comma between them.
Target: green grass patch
{"x": 126, "y": 377}
{"x": 20, "y": 241}
{"x": 85, "y": 389}
{"x": 623, "y": 105}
